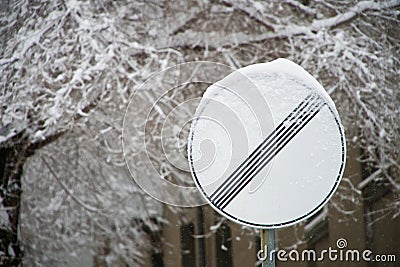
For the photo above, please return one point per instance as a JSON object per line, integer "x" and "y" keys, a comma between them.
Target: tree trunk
{"x": 13, "y": 155}
{"x": 12, "y": 160}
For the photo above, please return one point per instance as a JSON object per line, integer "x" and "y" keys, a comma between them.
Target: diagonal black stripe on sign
{"x": 267, "y": 159}
{"x": 267, "y": 155}
{"x": 266, "y": 144}
{"x": 256, "y": 153}
{"x": 271, "y": 150}
{"x": 267, "y": 150}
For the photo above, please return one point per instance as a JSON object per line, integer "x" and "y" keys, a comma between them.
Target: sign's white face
{"x": 266, "y": 147}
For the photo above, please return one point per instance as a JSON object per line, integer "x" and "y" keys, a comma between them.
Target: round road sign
{"x": 266, "y": 147}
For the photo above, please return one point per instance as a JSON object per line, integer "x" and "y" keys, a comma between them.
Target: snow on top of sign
{"x": 282, "y": 65}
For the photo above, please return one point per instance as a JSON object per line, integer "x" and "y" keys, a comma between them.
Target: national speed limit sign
{"x": 266, "y": 146}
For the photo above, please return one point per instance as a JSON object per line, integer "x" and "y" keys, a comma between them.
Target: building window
{"x": 224, "y": 246}
{"x": 188, "y": 245}
{"x": 153, "y": 229}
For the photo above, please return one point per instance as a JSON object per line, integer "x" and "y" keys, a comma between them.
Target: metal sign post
{"x": 268, "y": 247}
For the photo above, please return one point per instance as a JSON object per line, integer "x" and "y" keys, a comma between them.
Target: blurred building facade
{"x": 198, "y": 237}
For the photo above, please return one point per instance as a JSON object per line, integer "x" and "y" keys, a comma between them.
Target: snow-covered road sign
{"x": 266, "y": 147}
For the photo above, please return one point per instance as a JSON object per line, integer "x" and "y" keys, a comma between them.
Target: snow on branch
{"x": 353, "y": 12}
{"x": 303, "y": 8}
{"x": 276, "y": 27}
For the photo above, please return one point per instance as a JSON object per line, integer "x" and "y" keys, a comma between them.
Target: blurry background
{"x": 68, "y": 69}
